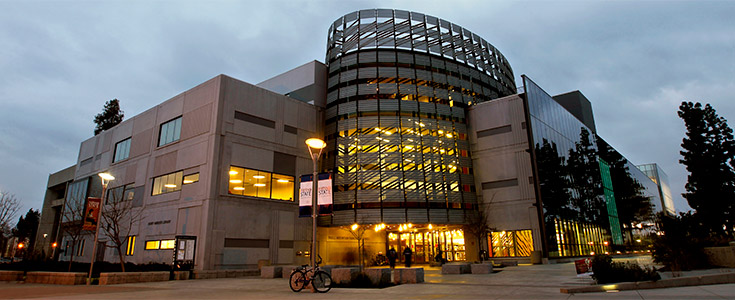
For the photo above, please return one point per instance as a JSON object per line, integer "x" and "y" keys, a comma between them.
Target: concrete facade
{"x": 232, "y": 231}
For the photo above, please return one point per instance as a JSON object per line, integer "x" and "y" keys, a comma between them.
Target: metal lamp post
{"x": 106, "y": 178}
{"x": 314, "y": 144}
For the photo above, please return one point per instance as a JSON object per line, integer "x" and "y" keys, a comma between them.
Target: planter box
{"x": 271, "y": 272}
{"x": 456, "y": 268}
{"x": 408, "y": 275}
{"x": 379, "y": 277}
{"x": 344, "y": 275}
{"x": 481, "y": 268}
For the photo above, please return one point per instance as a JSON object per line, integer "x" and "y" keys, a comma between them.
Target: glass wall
{"x": 575, "y": 212}
{"x": 425, "y": 243}
{"x": 510, "y": 243}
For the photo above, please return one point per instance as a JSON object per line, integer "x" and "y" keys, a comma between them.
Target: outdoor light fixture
{"x": 314, "y": 144}
{"x": 106, "y": 178}
{"x": 355, "y": 226}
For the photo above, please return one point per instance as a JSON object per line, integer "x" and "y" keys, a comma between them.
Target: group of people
{"x": 407, "y": 255}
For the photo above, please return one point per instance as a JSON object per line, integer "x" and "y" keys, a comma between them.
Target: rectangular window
{"x": 130, "y": 246}
{"x": 152, "y": 245}
{"x": 120, "y": 193}
{"x": 122, "y": 150}
{"x": 511, "y": 243}
{"x": 167, "y": 244}
{"x": 191, "y": 178}
{"x": 80, "y": 248}
{"x": 254, "y": 183}
{"x": 167, "y": 183}
{"x": 170, "y": 132}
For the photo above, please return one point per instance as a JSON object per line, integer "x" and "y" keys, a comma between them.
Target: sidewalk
{"x": 521, "y": 282}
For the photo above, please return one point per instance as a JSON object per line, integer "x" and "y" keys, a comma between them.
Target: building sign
{"x": 324, "y": 196}
{"x": 92, "y": 213}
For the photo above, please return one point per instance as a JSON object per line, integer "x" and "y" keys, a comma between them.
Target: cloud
{"x": 61, "y": 60}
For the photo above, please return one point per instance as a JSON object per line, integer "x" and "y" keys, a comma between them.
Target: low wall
{"x": 212, "y": 274}
{"x": 664, "y": 283}
{"x": 65, "y": 278}
{"x": 721, "y": 256}
{"x": 11, "y": 275}
{"x": 132, "y": 277}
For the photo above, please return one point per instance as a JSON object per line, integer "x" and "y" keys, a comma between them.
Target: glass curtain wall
{"x": 398, "y": 86}
{"x": 575, "y": 211}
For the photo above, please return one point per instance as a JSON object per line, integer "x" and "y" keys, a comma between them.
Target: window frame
{"x": 176, "y": 131}
{"x": 127, "y": 150}
{"x": 178, "y": 183}
{"x": 270, "y": 180}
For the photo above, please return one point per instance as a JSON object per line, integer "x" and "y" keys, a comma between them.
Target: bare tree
{"x": 71, "y": 222}
{"x": 358, "y": 233}
{"x": 477, "y": 224}
{"x": 118, "y": 217}
{"x": 9, "y": 206}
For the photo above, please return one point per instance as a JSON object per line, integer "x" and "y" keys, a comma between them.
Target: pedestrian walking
{"x": 407, "y": 256}
{"x": 392, "y": 256}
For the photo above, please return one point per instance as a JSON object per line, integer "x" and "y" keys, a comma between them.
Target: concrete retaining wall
{"x": 481, "y": 268}
{"x": 344, "y": 275}
{"x": 64, "y": 278}
{"x": 271, "y": 272}
{"x": 379, "y": 277}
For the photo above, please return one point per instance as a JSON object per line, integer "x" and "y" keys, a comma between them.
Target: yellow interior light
{"x": 235, "y": 181}
{"x": 188, "y": 181}
{"x": 170, "y": 185}
{"x": 449, "y": 135}
{"x": 258, "y": 176}
{"x": 260, "y": 184}
{"x": 283, "y": 180}
{"x": 238, "y": 188}
{"x": 233, "y": 172}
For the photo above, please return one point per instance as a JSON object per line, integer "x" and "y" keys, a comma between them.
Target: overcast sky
{"x": 61, "y": 60}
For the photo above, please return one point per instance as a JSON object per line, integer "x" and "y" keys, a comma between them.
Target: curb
{"x": 664, "y": 283}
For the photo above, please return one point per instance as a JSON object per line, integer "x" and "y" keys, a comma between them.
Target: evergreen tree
{"x": 585, "y": 174}
{"x": 27, "y": 227}
{"x": 708, "y": 151}
{"x": 109, "y": 117}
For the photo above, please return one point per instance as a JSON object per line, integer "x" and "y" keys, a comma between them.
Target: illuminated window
{"x": 167, "y": 183}
{"x": 152, "y": 245}
{"x": 282, "y": 187}
{"x": 167, "y": 244}
{"x": 511, "y": 243}
{"x": 260, "y": 184}
{"x": 192, "y": 178}
{"x": 130, "y": 246}
{"x": 122, "y": 150}
{"x": 170, "y": 132}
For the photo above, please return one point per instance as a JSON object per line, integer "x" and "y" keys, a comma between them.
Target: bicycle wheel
{"x": 297, "y": 281}
{"x": 322, "y": 282}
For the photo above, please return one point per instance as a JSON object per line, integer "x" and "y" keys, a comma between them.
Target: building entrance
{"x": 425, "y": 242}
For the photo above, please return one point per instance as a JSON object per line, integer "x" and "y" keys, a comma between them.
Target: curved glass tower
{"x": 398, "y": 86}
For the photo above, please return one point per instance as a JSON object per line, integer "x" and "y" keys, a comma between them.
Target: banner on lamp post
{"x": 92, "y": 213}
{"x": 324, "y": 195}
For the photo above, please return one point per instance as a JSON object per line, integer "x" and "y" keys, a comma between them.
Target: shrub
{"x": 681, "y": 246}
{"x": 606, "y": 271}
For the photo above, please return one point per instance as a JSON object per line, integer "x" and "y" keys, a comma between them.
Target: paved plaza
{"x": 520, "y": 282}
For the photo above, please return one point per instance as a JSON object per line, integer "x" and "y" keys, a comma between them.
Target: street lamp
{"x": 314, "y": 144}
{"x": 106, "y": 178}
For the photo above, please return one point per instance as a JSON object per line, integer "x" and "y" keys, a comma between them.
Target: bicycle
{"x": 302, "y": 276}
